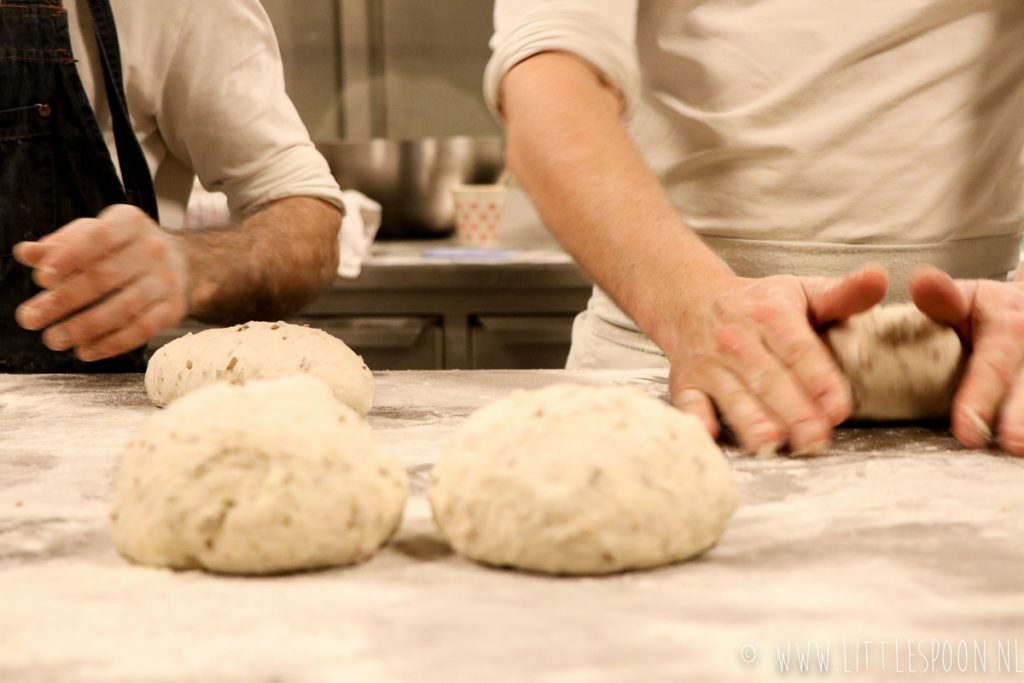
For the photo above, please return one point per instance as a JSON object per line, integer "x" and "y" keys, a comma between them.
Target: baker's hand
{"x": 110, "y": 283}
{"x": 753, "y": 352}
{"x": 989, "y": 317}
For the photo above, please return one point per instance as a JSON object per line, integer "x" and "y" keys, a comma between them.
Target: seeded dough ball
{"x": 901, "y": 364}
{"x": 271, "y": 476}
{"x": 581, "y": 480}
{"x": 258, "y": 350}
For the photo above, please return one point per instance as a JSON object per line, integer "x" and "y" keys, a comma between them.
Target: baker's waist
{"x": 977, "y": 258}
{"x": 990, "y": 258}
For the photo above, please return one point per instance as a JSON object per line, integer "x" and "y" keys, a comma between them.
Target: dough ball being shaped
{"x": 901, "y": 364}
{"x": 265, "y": 477}
{"x": 258, "y": 350}
{"x": 581, "y": 480}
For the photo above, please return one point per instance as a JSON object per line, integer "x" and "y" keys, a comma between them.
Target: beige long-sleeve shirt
{"x": 810, "y": 135}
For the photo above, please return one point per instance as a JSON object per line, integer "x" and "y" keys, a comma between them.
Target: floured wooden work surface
{"x": 896, "y": 534}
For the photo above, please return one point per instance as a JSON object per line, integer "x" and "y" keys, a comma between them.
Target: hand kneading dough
{"x": 266, "y": 477}
{"x": 901, "y": 364}
{"x": 258, "y": 350}
{"x": 581, "y": 480}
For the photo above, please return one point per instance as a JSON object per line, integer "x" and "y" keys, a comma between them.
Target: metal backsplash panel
{"x": 434, "y": 54}
{"x": 386, "y": 68}
{"x": 308, "y": 34}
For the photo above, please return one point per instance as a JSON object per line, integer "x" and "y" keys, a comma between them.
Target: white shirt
{"x": 881, "y": 122}
{"x": 206, "y": 94}
{"x": 805, "y": 136}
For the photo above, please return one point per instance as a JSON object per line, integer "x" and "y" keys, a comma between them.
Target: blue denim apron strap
{"x": 54, "y": 164}
{"x": 138, "y": 184}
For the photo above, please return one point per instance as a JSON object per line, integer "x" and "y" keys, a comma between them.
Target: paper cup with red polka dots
{"x": 478, "y": 213}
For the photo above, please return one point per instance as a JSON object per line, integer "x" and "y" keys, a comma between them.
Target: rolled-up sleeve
{"x": 224, "y": 110}
{"x": 601, "y": 32}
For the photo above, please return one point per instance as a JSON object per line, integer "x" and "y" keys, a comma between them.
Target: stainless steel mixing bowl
{"x": 412, "y": 179}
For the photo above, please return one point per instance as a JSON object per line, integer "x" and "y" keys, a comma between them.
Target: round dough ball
{"x": 582, "y": 480}
{"x": 901, "y": 364}
{"x": 266, "y": 477}
{"x": 258, "y": 350}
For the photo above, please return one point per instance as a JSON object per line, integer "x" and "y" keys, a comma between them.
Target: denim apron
{"x": 54, "y": 164}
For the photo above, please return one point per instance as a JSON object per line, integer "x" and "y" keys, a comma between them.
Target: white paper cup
{"x": 478, "y": 213}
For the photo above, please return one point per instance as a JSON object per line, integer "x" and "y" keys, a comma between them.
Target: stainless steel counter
{"x": 511, "y": 307}
{"x": 445, "y": 264}
{"x": 895, "y": 535}
{"x": 528, "y": 257}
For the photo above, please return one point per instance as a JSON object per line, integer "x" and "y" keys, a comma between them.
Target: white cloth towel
{"x": 358, "y": 230}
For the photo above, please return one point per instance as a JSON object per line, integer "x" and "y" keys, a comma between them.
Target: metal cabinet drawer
{"x": 384, "y": 342}
{"x": 388, "y": 342}
{"x": 520, "y": 342}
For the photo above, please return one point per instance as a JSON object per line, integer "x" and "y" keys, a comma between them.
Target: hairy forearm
{"x": 569, "y": 149}
{"x": 267, "y": 267}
